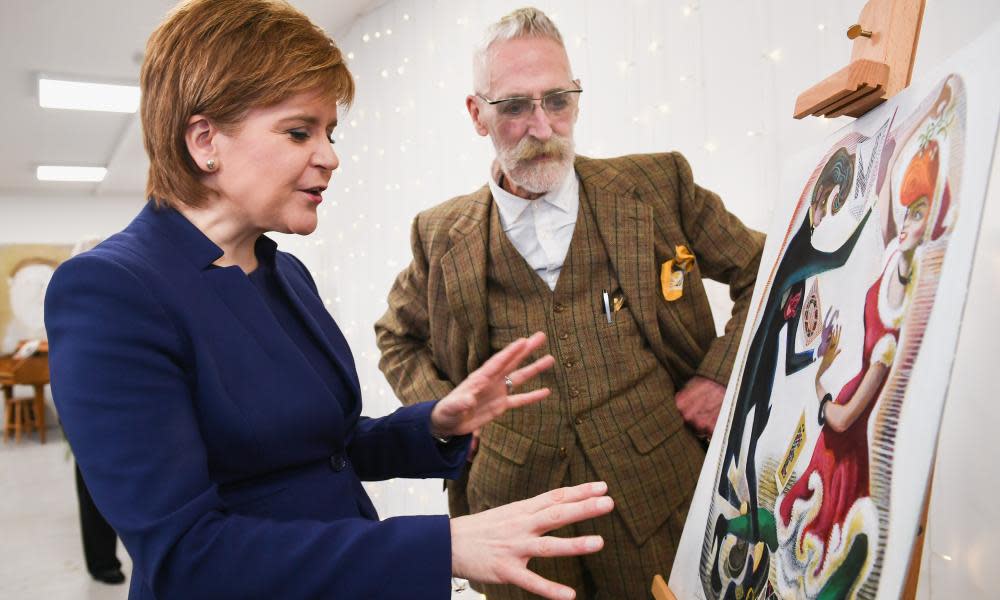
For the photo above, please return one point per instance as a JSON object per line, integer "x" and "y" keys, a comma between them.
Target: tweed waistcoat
{"x": 606, "y": 382}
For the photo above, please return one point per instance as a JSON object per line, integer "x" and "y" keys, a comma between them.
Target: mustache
{"x": 530, "y": 148}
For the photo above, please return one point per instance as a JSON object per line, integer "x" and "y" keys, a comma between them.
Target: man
{"x": 100, "y": 542}
{"x": 606, "y": 257}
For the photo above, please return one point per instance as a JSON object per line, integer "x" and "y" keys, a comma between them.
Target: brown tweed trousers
{"x": 438, "y": 329}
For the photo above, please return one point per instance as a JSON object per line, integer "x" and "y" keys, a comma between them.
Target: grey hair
{"x": 527, "y": 22}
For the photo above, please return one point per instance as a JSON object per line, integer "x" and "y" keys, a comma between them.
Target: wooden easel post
{"x": 661, "y": 591}
{"x": 885, "y": 47}
{"x": 913, "y": 572}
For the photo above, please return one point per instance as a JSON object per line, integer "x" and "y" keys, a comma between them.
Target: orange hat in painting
{"x": 921, "y": 175}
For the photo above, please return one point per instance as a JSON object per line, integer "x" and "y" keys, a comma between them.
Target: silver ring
{"x": 510, "y": 385}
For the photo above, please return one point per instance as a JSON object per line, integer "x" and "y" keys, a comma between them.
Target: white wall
{"x": 27, "y": 219}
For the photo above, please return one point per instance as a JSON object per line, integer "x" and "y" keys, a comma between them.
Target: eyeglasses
{"x": 555, "y": 104}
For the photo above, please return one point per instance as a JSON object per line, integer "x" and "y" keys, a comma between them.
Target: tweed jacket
{"x": 436, "y": 330}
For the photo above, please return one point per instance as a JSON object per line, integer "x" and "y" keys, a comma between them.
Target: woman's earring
{"x": 210, "y": 164}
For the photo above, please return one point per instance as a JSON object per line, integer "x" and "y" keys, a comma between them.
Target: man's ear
{"x": 473, "y": 107}
{"x": 200, "y": 137}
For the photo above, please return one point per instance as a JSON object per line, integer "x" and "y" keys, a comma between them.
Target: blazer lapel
{"x": 464, "y": 272}
{"x": 331, "y": 339}
{"x": 626, "y": 227}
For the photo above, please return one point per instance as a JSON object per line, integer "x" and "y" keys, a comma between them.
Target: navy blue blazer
{"x": 228, "y": 468}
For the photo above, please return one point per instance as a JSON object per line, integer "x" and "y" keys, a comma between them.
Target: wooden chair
{"x": 23, "y": 414}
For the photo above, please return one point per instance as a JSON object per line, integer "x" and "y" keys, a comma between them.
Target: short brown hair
{"x": 220, "y": 59}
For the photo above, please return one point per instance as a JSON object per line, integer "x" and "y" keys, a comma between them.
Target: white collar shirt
{"x": 541, "y": 229}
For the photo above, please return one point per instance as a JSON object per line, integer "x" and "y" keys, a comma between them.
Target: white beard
{"x": 537, "y": 178}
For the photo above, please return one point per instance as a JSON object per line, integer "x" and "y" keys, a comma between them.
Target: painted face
{"x": 911, "y": 234}
{"x": 275, "y": 167}
{"x": 535, "y": 148}
{"x": 832, "y": 186}
{"x": 819, "y": 206}
{"x": 919, "y": 182}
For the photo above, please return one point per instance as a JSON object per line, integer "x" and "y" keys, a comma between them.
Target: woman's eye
{"x": 299, "y": 135}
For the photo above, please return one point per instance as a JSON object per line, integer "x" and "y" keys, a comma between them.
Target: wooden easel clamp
{"x": 885, "y": 45}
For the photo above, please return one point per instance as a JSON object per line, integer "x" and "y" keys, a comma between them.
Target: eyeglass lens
{"x": 554, "y": 104}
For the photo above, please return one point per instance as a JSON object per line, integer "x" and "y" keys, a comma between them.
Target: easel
{"x": 885, "y": 46}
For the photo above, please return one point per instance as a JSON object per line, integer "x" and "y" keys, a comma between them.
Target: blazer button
{"x": 338, "y": 463}
{"x": 562, "y": 452}
{"x": 557, "y": 307}
{"x": 578, "y": 420}
{"x": 564, "y": 336}
{"x": 574, "y": 392}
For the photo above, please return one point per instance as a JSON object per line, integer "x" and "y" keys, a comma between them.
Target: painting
{"x": 818, "y": 469}
{"x": 25, "y": 271}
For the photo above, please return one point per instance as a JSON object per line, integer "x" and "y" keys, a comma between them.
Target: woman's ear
{"x": 200, "y": 138}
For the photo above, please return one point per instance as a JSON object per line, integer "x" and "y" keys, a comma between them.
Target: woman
{"x": 213, "y": 404}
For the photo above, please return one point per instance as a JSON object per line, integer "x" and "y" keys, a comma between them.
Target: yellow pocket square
{"x": 672, "y": 273}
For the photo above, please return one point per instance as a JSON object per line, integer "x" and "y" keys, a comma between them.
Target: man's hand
{"x": 699, "y": 403}
{"x": 485, "y": 395}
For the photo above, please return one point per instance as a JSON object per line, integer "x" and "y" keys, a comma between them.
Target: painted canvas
{"x": 818, "y": 469}
{"x": 25, "y": 271}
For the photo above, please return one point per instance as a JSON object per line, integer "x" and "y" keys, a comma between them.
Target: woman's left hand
{"x": 485, "y": 394}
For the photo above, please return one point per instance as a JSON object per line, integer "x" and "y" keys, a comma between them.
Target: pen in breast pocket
{"x": 607, "y": 305}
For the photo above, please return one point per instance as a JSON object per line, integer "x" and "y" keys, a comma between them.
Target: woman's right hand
{"x": 494, "y": 546}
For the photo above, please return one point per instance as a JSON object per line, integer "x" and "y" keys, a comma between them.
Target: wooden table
{"x": 24, "y": 413}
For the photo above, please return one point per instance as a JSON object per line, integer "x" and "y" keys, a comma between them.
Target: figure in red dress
{"x": 827, "y": 522}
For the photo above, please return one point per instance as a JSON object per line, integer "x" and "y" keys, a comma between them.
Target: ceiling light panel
{"x": 64, "y": 173}
{"x": 81, "y": 95}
